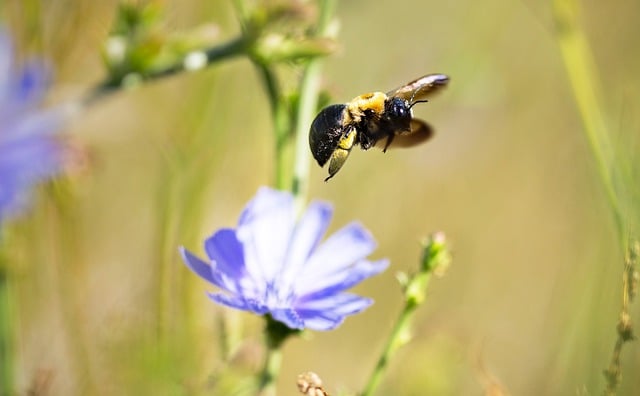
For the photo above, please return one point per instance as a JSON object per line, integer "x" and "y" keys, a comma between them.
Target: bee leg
{"x": 338, "y": 158}
{"x": 341, "y": 153}
{"x": 389, "y": 140}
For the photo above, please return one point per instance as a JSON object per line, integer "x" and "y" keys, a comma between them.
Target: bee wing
{"x": 420, "y": 132}
{"x": 420, "y": 88}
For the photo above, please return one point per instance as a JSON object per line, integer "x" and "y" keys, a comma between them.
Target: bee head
{"x": 398, "y": 108}
{"x": 398, "y": 114}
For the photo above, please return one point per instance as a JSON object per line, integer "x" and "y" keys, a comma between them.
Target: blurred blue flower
{"x": 272, "y": 265}
{"x": 29, "y": 151}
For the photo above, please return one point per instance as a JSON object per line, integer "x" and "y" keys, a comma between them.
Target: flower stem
{"x": 398, "y": 337}
{"x": 281, "y": 126}
{"x": 307, "y": 107}
{"x": 613, "y": 373}
{"x": 435, "y": 260}
{"x": 308, "y": 103}
{"x": 6, "y": 336}
{"x": 270, "y": 372}
{"x": 230, "y": 49}
{"x": 276, "y": 333}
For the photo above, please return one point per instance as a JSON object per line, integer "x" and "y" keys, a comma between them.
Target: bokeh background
{"x": 529, "y": 304}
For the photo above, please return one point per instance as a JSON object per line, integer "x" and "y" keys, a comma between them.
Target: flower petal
{"x": 21, "y": 168}
{"x": 196, "y": 265}
{"x": 348, "y": 245}
{"x": 6, "y": 52}
{"x": 329, "y": 313}
{"x": 289, "y": 317}
{"x": 41, "y": 124}
{"x": 306, "y": 236}
{"x": 224, "y": 249}
{"x": 265, "y": 229}
{"x": 342, "y": 280}
{"x": 266, "y": 200}
{"x": 323, "y": 322}
{"x": 208, "y": 272}
{"x": 31, "y": 84}
{"x": 339, "y": 304}
{"x": 29, "y": 151}
{"x": 238, "y": 303}
{"x": 31, "y": 157}
{"x": 270, "y": 264}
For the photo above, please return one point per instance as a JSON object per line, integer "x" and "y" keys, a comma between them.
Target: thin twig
{"x": 613, "y": 373}
{"x": 230, "y": 49}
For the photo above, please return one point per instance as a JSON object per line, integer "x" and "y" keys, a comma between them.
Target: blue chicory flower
{"x": 29, "y": 151}
{"x": 271, "y": 264}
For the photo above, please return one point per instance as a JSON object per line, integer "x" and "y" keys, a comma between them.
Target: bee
{"x": 372, "y": 119}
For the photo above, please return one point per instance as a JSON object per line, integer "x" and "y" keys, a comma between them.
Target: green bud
{"x": 435, "y": 255}
{"x": 275, "y": 48}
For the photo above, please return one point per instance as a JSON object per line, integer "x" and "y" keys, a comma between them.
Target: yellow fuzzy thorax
{"x": 370, "y": 101}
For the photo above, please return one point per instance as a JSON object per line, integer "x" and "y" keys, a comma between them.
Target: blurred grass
{"x": 613, "y": 167}
{"x": 508, "y": 176}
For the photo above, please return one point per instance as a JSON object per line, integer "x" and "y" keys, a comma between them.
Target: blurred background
{"x": 529, "y": 304}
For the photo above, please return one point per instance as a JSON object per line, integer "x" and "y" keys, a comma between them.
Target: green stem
{"x": 270, "y": 372}
{"x": 581, "y": 70}
{"x": 435, "y": 260}
{"x": 6, "y": 335}
{"x": 398, "y": 337}
{"x": 613, "y": 373}
{"x": 307, "y": 107}
{"x": 230, "y": 49}
{"x": 276, "y": 333}
{"x": 308, "y": 104}
{"x": 580, "y": 66}
{"x": 281, "y": 126}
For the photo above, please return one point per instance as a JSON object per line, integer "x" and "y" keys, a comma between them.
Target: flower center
{"x": 278, "y": 296}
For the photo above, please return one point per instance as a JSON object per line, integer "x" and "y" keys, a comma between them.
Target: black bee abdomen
{"x": 325, "y": 133}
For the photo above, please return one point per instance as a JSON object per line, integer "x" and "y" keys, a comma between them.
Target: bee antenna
{"x": 413, "y": 95}
{"x": 417, "y": 101}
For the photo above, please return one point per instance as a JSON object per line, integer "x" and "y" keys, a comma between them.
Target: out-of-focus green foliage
{"x": 529, "y": 307}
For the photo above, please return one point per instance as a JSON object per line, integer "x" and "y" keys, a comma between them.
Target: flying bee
{"x": 372, "y": 119}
